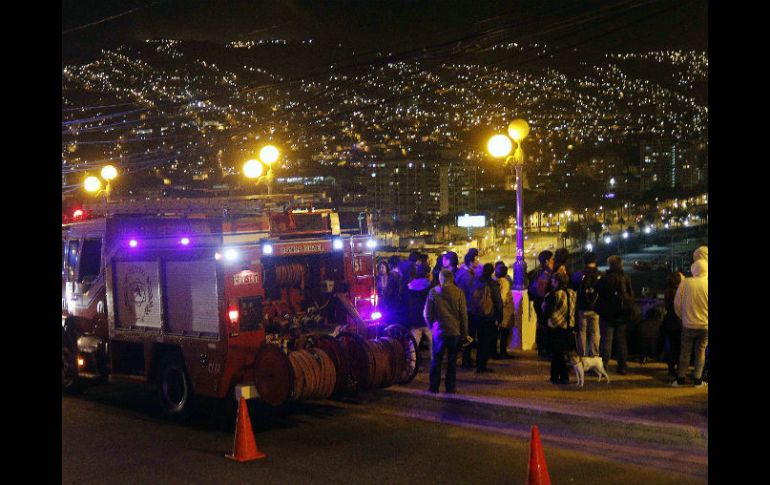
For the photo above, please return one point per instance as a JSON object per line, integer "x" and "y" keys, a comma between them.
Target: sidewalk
{"x": 639, "y": 409}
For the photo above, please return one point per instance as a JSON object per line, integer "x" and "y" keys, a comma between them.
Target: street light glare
{"x": 499, "y": 146}
{"x": 92, "y": 184}
{"x": 268, "y": 154}
{"x": 252, "y": 169}
{"x": 109, "y": 172}
{"x": 518, "y": 129}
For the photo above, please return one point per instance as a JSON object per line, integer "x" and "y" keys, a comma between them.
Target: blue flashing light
{"x": 337, "y": 244}
{"x": 267, "y": 248}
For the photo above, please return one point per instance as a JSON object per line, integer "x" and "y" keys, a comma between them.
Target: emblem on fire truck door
{"x": 137, "y": 292}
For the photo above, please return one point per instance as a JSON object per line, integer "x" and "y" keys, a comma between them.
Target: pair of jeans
{"x": 418, "y": 333}
{"x": 699, "y": 337}
{"x": 487, "y": 331}
{"x": 588, "y": 323}
{"x": 614, "y": 338}
{"x": 442, "y": 344}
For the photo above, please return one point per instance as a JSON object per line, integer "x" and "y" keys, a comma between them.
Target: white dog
{"x": 585, "y": 364}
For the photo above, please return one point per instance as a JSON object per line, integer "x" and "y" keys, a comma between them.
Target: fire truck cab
{"x": 182, "y": 304}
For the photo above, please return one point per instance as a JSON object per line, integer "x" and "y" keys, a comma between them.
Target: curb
{"x": 500, "y": 414}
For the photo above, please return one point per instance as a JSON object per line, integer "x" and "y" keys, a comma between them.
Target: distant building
{"x": 399, "y": 189}
{"x": 668, "y": 164}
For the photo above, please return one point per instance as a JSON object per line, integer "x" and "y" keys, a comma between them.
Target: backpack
{"x": 587, "y": 294}
{"x": 481, "y": 301}
{"x": 539, "y": 285}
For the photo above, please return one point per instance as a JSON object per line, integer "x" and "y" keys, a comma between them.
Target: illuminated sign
{"x": 302, "y": 248}
{"x": 246, "y": 278}
{"x": 471, "y": 221}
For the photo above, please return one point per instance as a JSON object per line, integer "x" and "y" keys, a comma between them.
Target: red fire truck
{"x": 186, "y": 302}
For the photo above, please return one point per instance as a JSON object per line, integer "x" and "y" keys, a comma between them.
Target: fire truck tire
{"x": 358, "y": 359}
{"x": 273, "y": 375}
{"x": 174, "y": 388}
{"x": 411, "y": 352}
{"x": 335, "y": 351}
{"x": 70, "y": 383}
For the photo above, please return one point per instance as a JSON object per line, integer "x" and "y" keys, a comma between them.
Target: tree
{"x": 575, "y": 231}
{"x": 596, "y": 228}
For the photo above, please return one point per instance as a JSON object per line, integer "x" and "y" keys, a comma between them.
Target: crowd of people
{"x": 468, "y": 310}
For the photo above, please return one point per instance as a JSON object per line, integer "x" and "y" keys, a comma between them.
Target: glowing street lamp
{"x": 253, "y": 168}
{"x": 500, "y": 146}
{"x": 94, "y": 185}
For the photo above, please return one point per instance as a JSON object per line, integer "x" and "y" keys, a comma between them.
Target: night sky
{"x": 630, "y": 25}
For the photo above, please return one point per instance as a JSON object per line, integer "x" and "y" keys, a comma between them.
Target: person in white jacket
{"x": 691, "y": 304}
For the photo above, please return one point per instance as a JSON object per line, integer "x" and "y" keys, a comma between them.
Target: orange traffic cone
{"x": 245, "y": 446}
{"x": 538, "y": 471}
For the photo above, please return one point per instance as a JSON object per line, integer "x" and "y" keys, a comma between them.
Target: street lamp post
{"x": 500, "y": 146}
{"x": 253, "y": 169}
{"x": 93, "y": 184}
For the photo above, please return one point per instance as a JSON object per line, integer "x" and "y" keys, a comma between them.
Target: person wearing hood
{"x": 417, "y": 294}
{"x": 701, "y": 253}
{"x": 691, "y": 304}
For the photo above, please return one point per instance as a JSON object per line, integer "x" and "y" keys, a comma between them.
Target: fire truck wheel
{"x": 412, "y": 358}
{"x": 174, "y": 388}
{"x": 69, "y": 379}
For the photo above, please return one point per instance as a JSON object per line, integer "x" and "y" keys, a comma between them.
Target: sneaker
{"x": 678, "y": 383}
{"x": 699, "y": 383}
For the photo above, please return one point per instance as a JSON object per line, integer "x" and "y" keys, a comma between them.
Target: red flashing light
{"x": 233, "y": 314}
{"x": 78, "y": 214}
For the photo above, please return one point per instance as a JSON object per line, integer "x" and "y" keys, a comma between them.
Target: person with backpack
{"x": 539, "y": 286}
{"x": 584, "y": 282}
{"x": 509, "y": 311}
{"x": 559, "y": 309}
{"x": 486, "y": 309}
{"x": 616, "y": 308}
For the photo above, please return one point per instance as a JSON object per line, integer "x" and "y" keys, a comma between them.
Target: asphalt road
{"x": 114, "y": 434}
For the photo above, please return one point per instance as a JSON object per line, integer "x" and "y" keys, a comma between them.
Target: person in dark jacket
{"x": 417, "y": 294}
{"x": 447, "y": 316}
{"x": 559, "y": 309}
{"x": 394, "y": 293}
{"x": 539, "y": 286}
{"x": 671, "y": 328}
{"x": 613, "y": 286}
{"x": 465, "y": 279}
{"x": 585, "y": 282}
{"x": 486, "y": 310}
